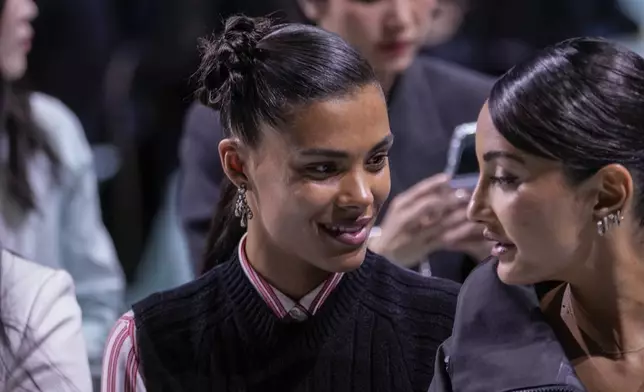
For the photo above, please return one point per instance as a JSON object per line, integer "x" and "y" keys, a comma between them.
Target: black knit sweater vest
{"x": 378, "y": 331}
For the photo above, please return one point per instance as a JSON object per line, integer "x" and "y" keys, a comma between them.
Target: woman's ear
{"x": 232, "y": 161}
{"x": 614, "y": 190}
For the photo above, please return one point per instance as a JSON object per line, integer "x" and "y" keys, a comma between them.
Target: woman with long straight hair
{"x": 49, "y": 207}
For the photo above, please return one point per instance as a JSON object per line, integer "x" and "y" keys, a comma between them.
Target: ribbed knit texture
{"x": 377, "y": 331}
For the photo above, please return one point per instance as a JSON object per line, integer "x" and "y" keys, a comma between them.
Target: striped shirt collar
{"x": 280, "y": 303}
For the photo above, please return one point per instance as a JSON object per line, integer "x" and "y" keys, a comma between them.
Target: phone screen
{"x": 467, "y": 163}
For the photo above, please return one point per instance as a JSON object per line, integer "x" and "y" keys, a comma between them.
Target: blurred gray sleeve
{"x": 200, "y": 176}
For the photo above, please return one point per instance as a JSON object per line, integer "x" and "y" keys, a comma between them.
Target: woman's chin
{"x": 346, "y": 262}
{"x": 515, "y": 273}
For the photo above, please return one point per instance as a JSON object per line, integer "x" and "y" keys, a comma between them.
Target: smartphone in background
{"x": 462, "y": 165}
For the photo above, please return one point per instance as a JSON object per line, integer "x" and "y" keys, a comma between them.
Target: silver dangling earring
{"x": 609, "y": 221}
{"x": 242, "y": 210}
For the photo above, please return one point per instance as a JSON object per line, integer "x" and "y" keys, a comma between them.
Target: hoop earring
{"x": 608, "y": 222}
{"x": 242, "y": 210}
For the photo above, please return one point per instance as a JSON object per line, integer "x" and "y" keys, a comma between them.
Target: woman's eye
{"x": 321, "y": 170}
{"x": 378, "y": 161}
{"x": 503, "y": 180}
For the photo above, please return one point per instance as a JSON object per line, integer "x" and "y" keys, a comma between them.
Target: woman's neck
{"x": 608, "y": 304}
{"x": 289, "y": 274}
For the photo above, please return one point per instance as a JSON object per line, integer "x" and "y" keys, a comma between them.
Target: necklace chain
{"x": 567, "y": 307}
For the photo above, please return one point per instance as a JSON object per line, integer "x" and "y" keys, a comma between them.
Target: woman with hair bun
{"x": 293, "y": 300}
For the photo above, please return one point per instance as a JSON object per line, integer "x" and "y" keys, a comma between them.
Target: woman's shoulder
{"x": 491, "y": 305}
{"x": 42, "y": 320}
{"x": 24, "y": 279}
{"x": 507, "y": 324}
{"x": 484, "y": 273}
{"x": 35, "y": 299}
{"x": 29, "y": 288}
{"x": 482, "y": 284}
{"x": 62, "y": 127}
{"x": 185, "y": 301}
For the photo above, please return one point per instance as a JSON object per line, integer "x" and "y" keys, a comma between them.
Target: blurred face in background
{"x": 15, "y": 37}
{"x": 388, "y": 33}
{"x": 447, "y": 18}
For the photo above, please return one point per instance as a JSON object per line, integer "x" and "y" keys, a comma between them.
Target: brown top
{"x": 598, "y": 371}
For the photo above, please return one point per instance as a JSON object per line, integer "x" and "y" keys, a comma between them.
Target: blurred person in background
{"x": 49, "y": 208}
{"x": 497, "y": 34}
{"x": 41, "y": 338}
{"x": 633, "y": 40}
{"x": 146, "y": 98}
{"x": 426, "y": 98}
{"x": 560, "y": 307}
{"x": 446, "y": 20}
{"x": 292, "y": 299}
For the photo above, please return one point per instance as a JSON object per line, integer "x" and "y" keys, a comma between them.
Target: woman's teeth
{"x": 343, "y": 229}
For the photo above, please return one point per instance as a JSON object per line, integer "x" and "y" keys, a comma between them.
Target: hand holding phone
{"x": 413, "y": 225}
{"x": 431, "y": 215}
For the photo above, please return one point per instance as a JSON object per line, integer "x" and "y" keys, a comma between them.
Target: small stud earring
{"x": 242, "y": 210}
{"x": 608, "y": 222}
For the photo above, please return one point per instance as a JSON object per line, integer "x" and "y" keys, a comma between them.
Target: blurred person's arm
{"x": 88, "y": 253}
{"x": 86, "y": 249}
{"x": 200, "y": 175}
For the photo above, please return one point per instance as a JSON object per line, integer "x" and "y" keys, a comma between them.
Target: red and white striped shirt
{"x": 121, "y": 361}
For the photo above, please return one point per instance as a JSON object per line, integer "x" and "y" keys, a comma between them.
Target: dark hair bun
{"x": 230, "y": 58}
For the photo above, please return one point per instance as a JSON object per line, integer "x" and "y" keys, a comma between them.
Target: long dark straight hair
{"x": 24, "y": 139}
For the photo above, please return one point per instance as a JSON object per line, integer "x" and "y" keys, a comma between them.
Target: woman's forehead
{"x": 360, "y": 117}
{"x": 355, "y": 122}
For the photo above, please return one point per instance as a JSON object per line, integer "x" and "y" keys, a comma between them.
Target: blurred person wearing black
{"x": 427, "y": 99}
